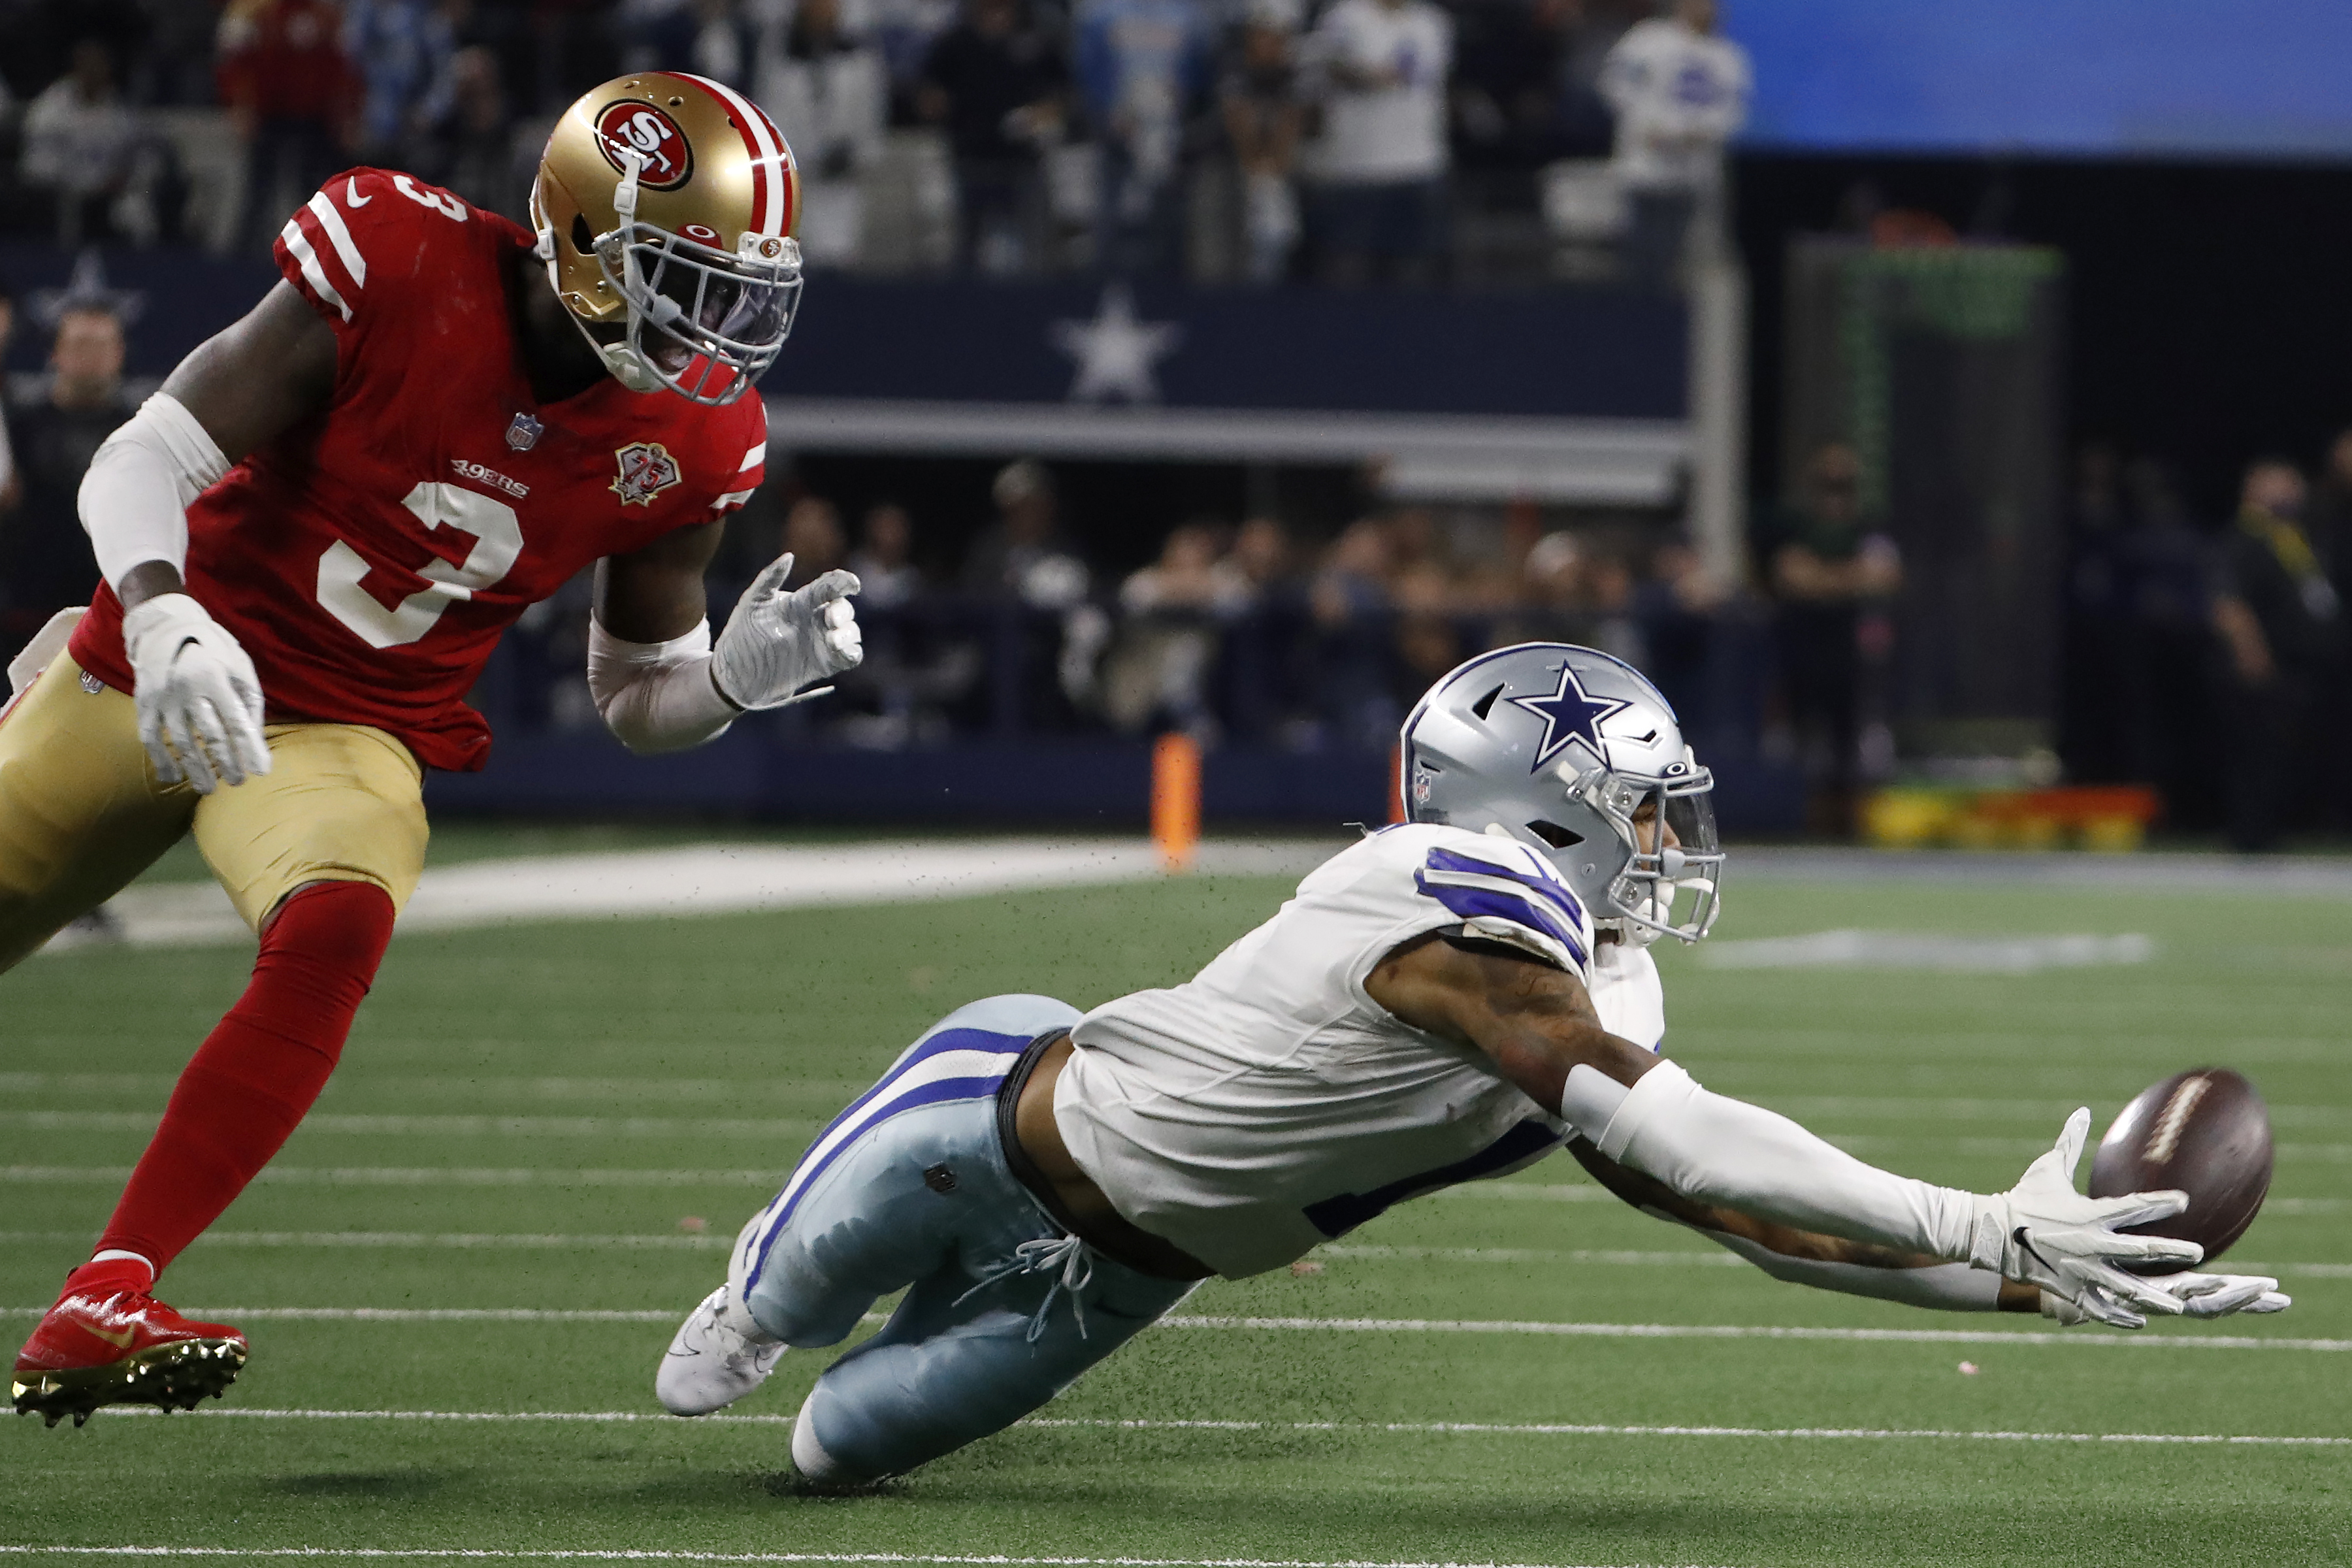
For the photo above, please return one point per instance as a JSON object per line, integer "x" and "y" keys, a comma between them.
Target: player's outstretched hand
{"x": 2199, "y": 1295}
{"x": 777, "y": 642}
{"x": 2042, "y": 1232}
{"x": 199, "y": 700}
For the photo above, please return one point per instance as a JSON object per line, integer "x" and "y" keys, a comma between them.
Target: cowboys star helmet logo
{"x": 646, "y": 471}
{"x": 1570, "y": 713}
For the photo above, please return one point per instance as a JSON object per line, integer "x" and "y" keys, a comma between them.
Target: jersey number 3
{"x": 490, "y": 523}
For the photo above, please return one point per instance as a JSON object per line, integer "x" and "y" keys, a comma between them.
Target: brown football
{"x": 2205, "y": 1131}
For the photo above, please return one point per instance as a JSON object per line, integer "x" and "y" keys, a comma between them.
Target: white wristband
{"x": 1712, "y": 1148}
{"x": 135, "y": 496}
{"x": 656, "y": 697}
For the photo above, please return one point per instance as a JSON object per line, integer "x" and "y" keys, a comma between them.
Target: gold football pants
{"x": 81, "y": 813}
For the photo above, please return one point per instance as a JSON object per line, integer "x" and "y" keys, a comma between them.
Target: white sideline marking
{"x": 1406, "y": 1428}
{"x": 723, "y": 878}
{"x": 646, "y": 1556}
{"x": 1929, "y": 950}
{"x": 421, "y": 1176}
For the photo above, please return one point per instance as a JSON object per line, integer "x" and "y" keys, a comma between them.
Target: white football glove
{"x": 200, "y": 711}
{"x": 777, "y": 642}
{"x": 2199, "y": 1295}
{"x": 2042, "y": 1232}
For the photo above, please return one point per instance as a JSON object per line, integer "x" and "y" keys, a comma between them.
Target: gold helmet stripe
{"x": 771, "y": 211}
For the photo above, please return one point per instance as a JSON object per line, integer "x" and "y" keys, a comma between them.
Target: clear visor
{"x": 708, "y": 323}
{"x": 1672, "y": 880}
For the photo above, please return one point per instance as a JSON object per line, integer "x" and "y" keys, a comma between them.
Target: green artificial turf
{"x": 580, "y": 1053}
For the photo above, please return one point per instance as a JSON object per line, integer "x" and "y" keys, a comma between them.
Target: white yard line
{"x": 550, "y": 1555}
{"x": 712, "y": 1241}
{"x": 416, "y": 1177}
{"x": 1616, "y": 1256}
{"x": 495, "y": 1241}
{"x": 2082, "y": 1339}
{"x": 727, "y": 879}
{"x": 1744, "y": 1331}
{"x": 1404, "y": 1428}
{"x": 1929, "y": 950}
{"x": 794, "y": 1132}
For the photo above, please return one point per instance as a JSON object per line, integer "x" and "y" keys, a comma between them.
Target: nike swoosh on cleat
{"x": 121, "y": 1341}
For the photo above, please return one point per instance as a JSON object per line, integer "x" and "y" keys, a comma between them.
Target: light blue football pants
{"x": 908, "y": 1189}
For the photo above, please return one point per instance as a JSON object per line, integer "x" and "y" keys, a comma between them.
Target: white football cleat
{"x": 716, "y": 1358}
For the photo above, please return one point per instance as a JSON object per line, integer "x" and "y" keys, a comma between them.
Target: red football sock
{"x": 256, "y": 1075}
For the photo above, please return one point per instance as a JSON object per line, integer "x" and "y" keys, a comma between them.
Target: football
{"x": 2205, "y": 1131}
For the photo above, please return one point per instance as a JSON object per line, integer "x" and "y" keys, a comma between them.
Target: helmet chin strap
{"x": 628, "y": 366}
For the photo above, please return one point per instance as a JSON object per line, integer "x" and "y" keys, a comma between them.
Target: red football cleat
{"x": 108, "y": 1341}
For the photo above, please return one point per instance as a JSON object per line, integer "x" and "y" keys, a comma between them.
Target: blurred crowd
{"x": 1342, "y": 140}
{"x": 2211, "y": 657}
{"x": 1247, "y": 631}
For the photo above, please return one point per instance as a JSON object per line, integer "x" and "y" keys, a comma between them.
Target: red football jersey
{"x": 369, "y": 558}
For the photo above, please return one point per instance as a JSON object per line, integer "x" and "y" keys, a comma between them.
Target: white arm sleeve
{"x": 1711, "y": 1148}
{"x": 136, "y": 493}
{"x": 657, "y": 696}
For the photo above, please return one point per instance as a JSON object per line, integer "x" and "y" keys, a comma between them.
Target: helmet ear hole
{"x": 582, "y": 240}
{"x": 1553, "y": 834}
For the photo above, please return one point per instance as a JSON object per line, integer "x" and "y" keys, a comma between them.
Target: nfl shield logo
{"x": 646, "y": 471}
{"x": 523, "y": 433}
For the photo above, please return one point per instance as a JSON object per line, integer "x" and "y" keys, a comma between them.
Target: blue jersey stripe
{"x": 1555, "y": 891}
{"x": 1472, "y": 903}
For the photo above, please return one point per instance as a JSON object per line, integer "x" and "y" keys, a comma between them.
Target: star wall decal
{"x": 1117, "y": 352}
{"x": 1570, "y": 713}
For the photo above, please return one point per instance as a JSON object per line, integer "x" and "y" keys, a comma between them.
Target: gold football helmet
{"x": 665, "y": 205}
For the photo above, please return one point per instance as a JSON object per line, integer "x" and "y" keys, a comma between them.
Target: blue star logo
{"x": 1572, "y": 713}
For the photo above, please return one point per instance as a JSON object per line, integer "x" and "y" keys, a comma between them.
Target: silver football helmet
{"x": 1577, "y": 754}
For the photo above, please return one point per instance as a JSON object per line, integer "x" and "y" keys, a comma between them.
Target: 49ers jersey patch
{"x": 646, "y": 471}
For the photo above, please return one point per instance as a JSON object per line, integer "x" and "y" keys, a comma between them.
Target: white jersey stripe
{"x": 299, "y": 247}
{"x": 731, "y": 500}
{"x": 756, "y": 455}
{"x": 768, "y": 153}
{"x": 348, "y": 253}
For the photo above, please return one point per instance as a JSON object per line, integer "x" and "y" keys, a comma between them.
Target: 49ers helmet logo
{"x": 640, "y": 127}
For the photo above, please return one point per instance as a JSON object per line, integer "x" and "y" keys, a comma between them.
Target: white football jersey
{"x": 1268, "y": 1104}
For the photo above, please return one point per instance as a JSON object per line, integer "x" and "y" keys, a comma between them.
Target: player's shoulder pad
{"x": 368, "y": 229}
{"x": 1502, "y": 891}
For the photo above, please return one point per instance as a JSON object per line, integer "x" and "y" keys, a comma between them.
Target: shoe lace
{"x": 1073, "y": 1259}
